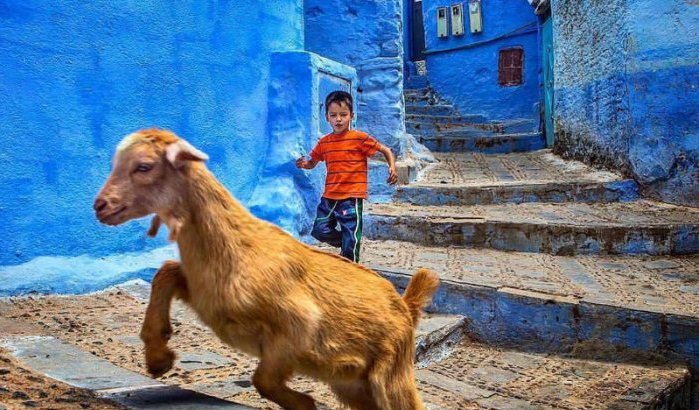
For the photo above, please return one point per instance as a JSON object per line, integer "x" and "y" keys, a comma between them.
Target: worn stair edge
{"x": 427, "y": 130}
{"x": 495, "y": 144}
{"x": 447, "y": 119}
{"x": 555, "y": 239}
{"x": 546, "y": 323}
{"x": 436, "y": 343}
{"x": 437, "y": 109}
{"x": 613, "y": 191}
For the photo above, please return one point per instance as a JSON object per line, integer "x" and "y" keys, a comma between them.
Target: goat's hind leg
{"x": 393, "y": 385}
{"x": 355, "y": 395}
{"x": 168, "y": 283}
{"x": 270, "y": 381}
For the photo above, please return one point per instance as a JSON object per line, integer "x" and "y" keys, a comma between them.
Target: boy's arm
{"x": 304, "y": 163}
{"x": 392, "y": 175}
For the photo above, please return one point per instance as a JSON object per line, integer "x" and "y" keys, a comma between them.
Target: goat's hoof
{"x": 163, "y": 335}
{"x": 159, "y": 361}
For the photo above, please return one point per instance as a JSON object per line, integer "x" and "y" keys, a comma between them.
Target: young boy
{"x": 345, "y": 153}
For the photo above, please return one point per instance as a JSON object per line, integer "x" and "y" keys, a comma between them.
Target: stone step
{"x": 477, "y": 376}
{"x": 549, "y": 303}
{"x": 425, "y": 101}
{"x": 639, "y": 227}
{"x": 489, "y": 144}
{"x": 447, "y": 119}
{"x": 423, "y": 129}
{"x": 539, "y": 176}
{"x": 416, "y": 91}
{"x": 76, "y": 367}
{"x": 521, "y": 125}
{"x": 485, "y": 194}
{"x": 438, "y": 109}
{"x": 416, "y": 81}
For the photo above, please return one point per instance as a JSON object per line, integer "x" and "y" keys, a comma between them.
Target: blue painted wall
{"x": 366, "y": 35}
{"x": 468, "y": 77}
{"x": 77, "y": 76}
{"x": 625, "y": 90}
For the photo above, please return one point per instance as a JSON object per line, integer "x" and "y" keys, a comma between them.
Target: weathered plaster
{"x": 624, "y": 95}
{"x": 77, "y": 77}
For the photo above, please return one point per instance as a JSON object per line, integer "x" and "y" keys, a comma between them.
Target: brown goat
{"x": 297, "y": 308}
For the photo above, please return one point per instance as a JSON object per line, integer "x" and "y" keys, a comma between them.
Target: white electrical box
{"x": 457, "y": 20}
{"x": 442, "y": 30}
{"x": 475, "y": 16}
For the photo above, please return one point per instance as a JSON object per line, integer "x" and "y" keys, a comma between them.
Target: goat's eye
{"x": 144, "y": 167}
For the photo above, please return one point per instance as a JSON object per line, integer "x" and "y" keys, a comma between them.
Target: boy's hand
{"x": 392, "y": 175}
{"x": 303, "y": 163}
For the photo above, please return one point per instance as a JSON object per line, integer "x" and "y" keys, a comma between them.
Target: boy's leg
{"x": 325, "y": 223}
{"x": 349, "y": 215}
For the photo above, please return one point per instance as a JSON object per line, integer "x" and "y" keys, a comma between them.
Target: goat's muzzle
{"x": 107, "y": 213}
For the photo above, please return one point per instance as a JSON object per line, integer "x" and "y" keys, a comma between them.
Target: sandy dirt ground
{"x": 107, "y": 325}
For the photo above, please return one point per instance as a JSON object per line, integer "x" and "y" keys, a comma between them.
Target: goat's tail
{"x": 419, "y": 292}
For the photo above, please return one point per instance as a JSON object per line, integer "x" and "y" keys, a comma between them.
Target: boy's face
{"x": 339, "y": 117}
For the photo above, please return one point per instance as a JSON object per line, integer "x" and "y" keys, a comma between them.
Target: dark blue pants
{"x": 344, "y": 212}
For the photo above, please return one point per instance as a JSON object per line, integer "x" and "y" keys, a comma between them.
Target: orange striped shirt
{"x": 345, "y": 157}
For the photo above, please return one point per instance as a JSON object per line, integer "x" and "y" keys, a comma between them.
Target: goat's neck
{"x": 214, "y": 224}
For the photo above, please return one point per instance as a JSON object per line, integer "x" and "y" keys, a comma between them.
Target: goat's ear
{"x": 179, "y": 152}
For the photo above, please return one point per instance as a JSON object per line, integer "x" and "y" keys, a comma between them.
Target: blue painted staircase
{"x": 540, "y": 253}
{"x": 439, "y": 126}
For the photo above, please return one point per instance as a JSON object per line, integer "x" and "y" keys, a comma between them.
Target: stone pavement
{"x": 639, "y": 227}
{"x": 543, "y": 255}
{"x": 475, "y": 178}
{"x": 91, "y": 342}
{"x": 663, "y": 284}
{"x": 538, "y": 167}
{"x": 548, "y": 328}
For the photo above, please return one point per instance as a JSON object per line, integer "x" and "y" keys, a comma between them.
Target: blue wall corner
{"x": 299, "y": 83}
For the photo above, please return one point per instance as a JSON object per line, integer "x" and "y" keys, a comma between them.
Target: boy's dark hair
{"x": 338, "y": 97}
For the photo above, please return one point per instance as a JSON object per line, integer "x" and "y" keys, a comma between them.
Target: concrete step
{"x": 447, "y": 119}
{"x": 549, "y": 303}
{"x": 477, "y": 376}
{"x": 424, "y": 129}
{"x": 521, "y": 125}
{"x": 416, "y": 81}
{"x": 487, "y": 144}
{"x": 438, "y": 109}
{"x": 76, "y": 367}
{"x": 485, "y": 194}
{"x": 539, "y": 176}
{"x": 639, "y": 227}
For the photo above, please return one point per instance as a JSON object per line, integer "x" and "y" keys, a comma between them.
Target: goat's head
{"x": 146, "y": 176}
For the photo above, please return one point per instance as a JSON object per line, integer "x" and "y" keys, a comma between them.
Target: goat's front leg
{"x": 168, "y": 283}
